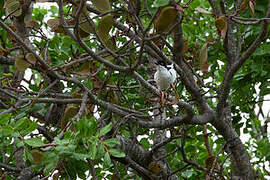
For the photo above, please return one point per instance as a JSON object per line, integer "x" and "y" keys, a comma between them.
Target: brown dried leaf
{"x": 37, "y": 156}
{"x": 14, "y": 7}
{"x": 55, "y": 25}
{"x": 155, "y": 167}
{"x": 32, "y": 24}
{"x": 251, "y": 7}
{"x": 244, "y": 4}
{"x": 209, "y": 161}
{"x": 221, "y": 25}
{"x": 85, "y": 69}
{"x": 203, "y": 11}
{"x": 203, "y": 58}
{"x": 21, "y": 64}
{"x": 70, "y": 112}
{"x": 31, "y": 58}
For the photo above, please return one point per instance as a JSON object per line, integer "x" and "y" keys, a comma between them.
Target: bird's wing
{"x": 156, "y": 77}
{"x": 173, "y": 75}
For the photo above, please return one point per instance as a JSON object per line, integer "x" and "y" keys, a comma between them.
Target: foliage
{"x": 77, "y": 98}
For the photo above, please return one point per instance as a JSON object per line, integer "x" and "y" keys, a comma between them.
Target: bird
{"x": 165, "y": 76}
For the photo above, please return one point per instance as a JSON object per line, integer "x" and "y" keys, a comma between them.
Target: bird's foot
{"x": 174, "y": 102}
{"x": 162, "y": 99}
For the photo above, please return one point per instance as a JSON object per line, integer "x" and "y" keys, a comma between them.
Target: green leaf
{"x": 28, "y": 155}
{"x": 31, "y": 127}
{"x": 50, "y": 166}
{"x": 102, "y": 5}
{"x": 105, "y": 130}
{"x": 117, "y": 153}
{"x": 104, "y": 26}
{"x": 5, "y": 118}
{"x": 100, "y": 151}
{"x": 7, "y": 130}
{"x": 111, "y": 142}
{"x": 34, "y": 142}
{"x": 21, "y": 123}
{"x": 158, "y": 3}
{"x": 61, "y": 142}
{"x": 80, "y": 156}
{"x": 144, "y": 142}
{"x": 93, "y": 149}
{"x": 107, "y": 159}
{"x": 20, "y": 115}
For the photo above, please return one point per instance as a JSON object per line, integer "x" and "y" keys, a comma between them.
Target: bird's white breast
{"x": 162, "y": 78}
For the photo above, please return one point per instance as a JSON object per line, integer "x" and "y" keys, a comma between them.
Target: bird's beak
{"x": 156, "y": 63}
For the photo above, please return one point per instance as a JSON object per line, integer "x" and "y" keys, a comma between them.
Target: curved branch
{"x": 84, "y": 46}
{"x": 20, "y": 40}
{"x": 178, "y": 120}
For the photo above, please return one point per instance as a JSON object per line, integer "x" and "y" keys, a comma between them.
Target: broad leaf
{"x": 117, "y": 153}
{"x": 105, "y": 130}
{"x": 34, "y": 142}
{"x": 203, "y": 58}
{"x": 111, "y": 142}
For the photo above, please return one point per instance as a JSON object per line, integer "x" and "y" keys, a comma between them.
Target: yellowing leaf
{"x": 32, "y": 24}
{"x": 104, "y": 26}
{"x": 203, "y": 58}
{"x": 203, "y": 11}
{"x": 31, "y": 58}
{"x": 102, "y": 5}
{"x": 85, "y": 69}
{"x": 110, "y": 43}
{"x": 85, "y": 27}
{"x": 21, "y": 64}
{"x": 14, "y": 7}
{"x": 70, "y": 111}
{"x": 55, "y": 25}
{"x": 221, "y": 25}
{"x": 82, "y": 33}
{"x": 165, "y": 19}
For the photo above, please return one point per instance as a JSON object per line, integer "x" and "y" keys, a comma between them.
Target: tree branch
{"x": 178, "y": 120}
{"x": 226, "y": 84}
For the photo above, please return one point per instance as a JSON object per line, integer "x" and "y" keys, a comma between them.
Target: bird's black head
{"x": 161, "y": 62}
